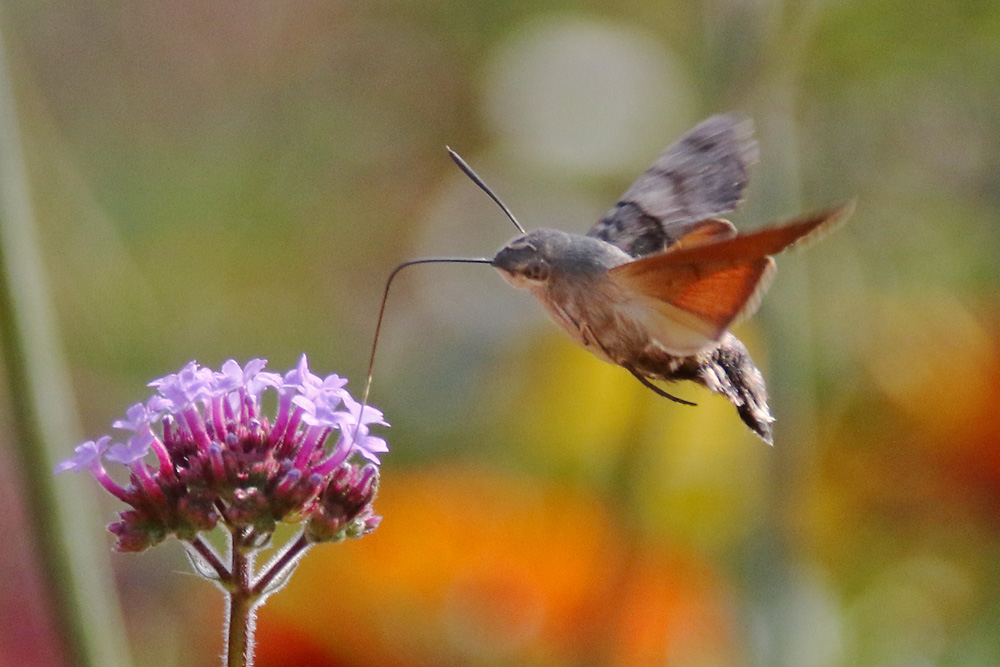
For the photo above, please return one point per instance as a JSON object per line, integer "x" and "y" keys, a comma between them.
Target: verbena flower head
{"x": 217, "y": 459}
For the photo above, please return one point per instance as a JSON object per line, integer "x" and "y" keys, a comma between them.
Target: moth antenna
{"x": 381, "y": 312}
{"x": 463, "y": 165}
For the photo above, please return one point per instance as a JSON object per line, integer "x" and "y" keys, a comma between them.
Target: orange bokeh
{"x": 475, "y": 567}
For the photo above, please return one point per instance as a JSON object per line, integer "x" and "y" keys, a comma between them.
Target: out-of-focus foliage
{"x": 221, "y": 180}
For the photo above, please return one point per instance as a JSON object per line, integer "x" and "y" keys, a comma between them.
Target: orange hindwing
{"x": 716, "y": 278}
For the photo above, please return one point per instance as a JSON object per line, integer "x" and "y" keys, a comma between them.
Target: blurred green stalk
{"x": 65, "y": 522}
{"x": 775, "y": 36}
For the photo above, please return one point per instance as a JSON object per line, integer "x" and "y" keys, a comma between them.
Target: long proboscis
{"x": 463, "y": 165}
{"x": 381, "y": 312}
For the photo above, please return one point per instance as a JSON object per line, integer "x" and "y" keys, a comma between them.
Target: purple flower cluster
{"x": 218, "y": 459}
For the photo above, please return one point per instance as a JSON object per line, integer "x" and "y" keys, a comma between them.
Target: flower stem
{"x": 239, "y": 650}
{"x": 211, "y": 558}
{"x": 242, "y": 603}
{"x": 290, "y": 555}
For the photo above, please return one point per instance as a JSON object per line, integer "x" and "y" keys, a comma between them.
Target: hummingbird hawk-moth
{"x": 656, "y": 284}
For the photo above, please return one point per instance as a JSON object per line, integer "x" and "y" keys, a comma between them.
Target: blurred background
{"x": 216, "y": 180}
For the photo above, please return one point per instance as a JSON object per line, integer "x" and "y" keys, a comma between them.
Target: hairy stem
{"x": 206, "y": 551}
{"x": 242, "y": 603}
{"x": 291, "y": 554}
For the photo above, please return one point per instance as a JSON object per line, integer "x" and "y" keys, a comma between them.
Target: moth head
{"x": 526, "y": 261}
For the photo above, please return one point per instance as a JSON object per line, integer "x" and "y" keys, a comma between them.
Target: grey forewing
{"x": 701, "y": 176}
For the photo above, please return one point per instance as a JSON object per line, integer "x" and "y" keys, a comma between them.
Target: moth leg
{"x": 656, "y": 389}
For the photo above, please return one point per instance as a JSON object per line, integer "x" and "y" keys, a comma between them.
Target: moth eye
{"x": 536, "y": 271}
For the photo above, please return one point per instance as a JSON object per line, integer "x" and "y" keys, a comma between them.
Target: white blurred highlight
{"x": 585, "y": 96}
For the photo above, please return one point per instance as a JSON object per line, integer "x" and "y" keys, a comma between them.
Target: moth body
{"x": 656, "y": 284}
{"x": 569, "y": 275}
